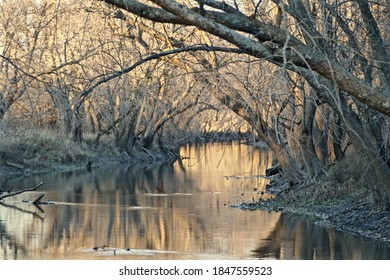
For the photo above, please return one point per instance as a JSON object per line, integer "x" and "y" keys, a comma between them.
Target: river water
{"x": 177, "y": 211}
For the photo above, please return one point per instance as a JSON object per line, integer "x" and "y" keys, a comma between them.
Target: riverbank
{"x": 347, "y": 207}
{"x": 44, "y": 151}
{"x": 30, "y": 151}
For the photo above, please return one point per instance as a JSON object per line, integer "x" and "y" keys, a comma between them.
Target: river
{"x": 170, "y": 211}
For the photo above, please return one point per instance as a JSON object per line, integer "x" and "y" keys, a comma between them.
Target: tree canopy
{"x": 336, "y": 57}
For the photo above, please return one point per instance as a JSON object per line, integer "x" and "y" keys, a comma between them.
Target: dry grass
{"x": 37, "y": 149}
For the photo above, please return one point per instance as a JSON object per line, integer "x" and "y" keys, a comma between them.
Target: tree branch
{"x": 295, "y": 54}
{"x": 117, "y": 74}
{"x": 378, "y": 48}
{"x": 10, "y": 61}
{"x": 146, "y": 11}
{"x": 20, "y": 192}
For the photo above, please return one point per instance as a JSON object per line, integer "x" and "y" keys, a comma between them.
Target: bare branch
{"x": 151, "y": 13}
{"x": 10, "y": 61}
{"x": 117, "y": 74}
{"x": 296, "y": 52}
{"x": 20, "y": 192}
{"x": 377, "y": 44}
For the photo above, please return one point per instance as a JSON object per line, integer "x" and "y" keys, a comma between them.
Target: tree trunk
{"x": 312, "y": 163}
{"x": 77, "y": 130}
{"x": 127, "y": 140}
{"x": 65, "y": 113}
{"x": 2, "y": 112}
{"x": 336, "y": 138}
{"x": 148, "y": 136}
{"x": 320, "y": 133}
{"x": 287, "y": 163}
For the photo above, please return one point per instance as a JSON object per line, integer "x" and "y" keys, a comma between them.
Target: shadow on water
{"x": 167, "y": 211}
{"x": 293, "y": 237}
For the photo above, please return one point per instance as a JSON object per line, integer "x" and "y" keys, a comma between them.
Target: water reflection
{"x": 176, "y": 211}
{"x": 293, "y": 237}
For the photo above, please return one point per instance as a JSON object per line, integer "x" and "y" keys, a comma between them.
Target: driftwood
{"x": 10, "y": 193}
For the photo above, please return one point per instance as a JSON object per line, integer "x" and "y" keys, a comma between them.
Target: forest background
{"x": 87, "y": 80}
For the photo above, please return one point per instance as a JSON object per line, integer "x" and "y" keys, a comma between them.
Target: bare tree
{"x": 324, "y": 43}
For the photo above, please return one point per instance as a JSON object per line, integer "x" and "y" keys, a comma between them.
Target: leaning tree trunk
{"x": 313, "y": 164}
{"x": 147, "y": 138}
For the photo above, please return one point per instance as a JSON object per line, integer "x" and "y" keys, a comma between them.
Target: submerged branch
{"x": 9, "y": 194}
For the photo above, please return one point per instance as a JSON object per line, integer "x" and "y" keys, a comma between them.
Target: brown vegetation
{"x": 331, "y": 63}
{"x": 309, "y": 78}
{"x": 82, "y": 81}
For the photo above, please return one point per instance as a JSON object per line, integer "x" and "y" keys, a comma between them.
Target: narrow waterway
{"x": 177, "y": 211}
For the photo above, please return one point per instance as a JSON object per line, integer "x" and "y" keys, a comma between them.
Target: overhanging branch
{"x": 146, "y": 11}
{"x": 296, "y": 53}
{"x": 117, "y": 74}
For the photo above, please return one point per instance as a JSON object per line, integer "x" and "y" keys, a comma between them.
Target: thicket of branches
{"x": 332, "y": 59}
{"x": 87, "y": 70}
{"x": 310, "y": 78}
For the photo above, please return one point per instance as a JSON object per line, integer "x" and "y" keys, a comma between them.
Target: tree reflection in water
{"x": 295, "y": 238}
{"x": 167, "y": 211}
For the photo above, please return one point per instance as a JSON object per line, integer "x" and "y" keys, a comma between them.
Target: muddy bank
{"x": 30, "y": 151}
{"x": 93, "y": 160}
{"x": 347, "y": 208}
